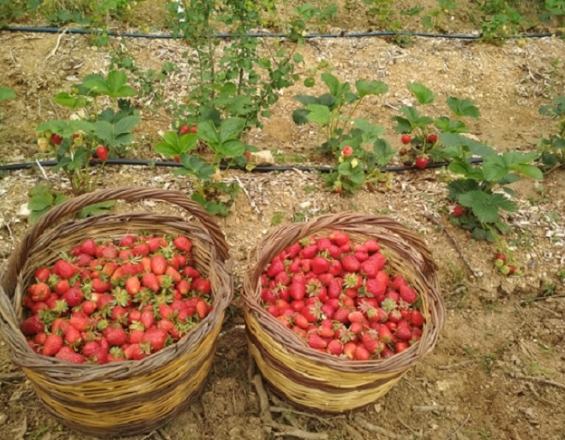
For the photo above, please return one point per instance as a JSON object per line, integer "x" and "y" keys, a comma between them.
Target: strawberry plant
{"x": 95, "y": 129}
{"x": 481, "y": 193}
{"x": 354, "y": 142}
{"x": 552, "y": 148}
{"x": 114, "y": 300}
{"x": 419, "y": 133}
{"x": 342, "y": 298}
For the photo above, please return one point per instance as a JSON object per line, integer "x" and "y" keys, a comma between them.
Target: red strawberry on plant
{"x": 101, "y": 153}
{"x": 458, "y": 211}
{"x": 431, "y": 138}
{"x": 347, "y": 151}
{"x": 184, "y": 129}
{"x": 422, "y": 162}
{"x": 56, "y": 139}
{"x": 405, "y": 139}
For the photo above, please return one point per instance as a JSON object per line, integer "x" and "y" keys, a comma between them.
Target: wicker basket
{"x": 128, "y": 397}
{"x": 317, "y": 380}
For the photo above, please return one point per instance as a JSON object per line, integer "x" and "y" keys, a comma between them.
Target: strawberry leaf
{"x": 463, "y": 107}
{"x": 421, "y": 93}
{"x": 318, "y": 114}
{"x": 486, "y": 206}
{"x": 370, "y": 87}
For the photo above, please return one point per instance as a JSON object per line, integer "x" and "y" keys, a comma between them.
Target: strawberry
{"x": 416, "y": 318}
{"x": 309, "y": 251}
{"x": 79, "y": 321}
{"x": 156, "y": 338}
{"x": 371, "y": 246}
{"x": 361, "y": 353}
{"x": 356, "y": 317}
{"x": 128, "y": 240}
{"x": 184, "y": 129}
{"x": 150, "y": 281}
{"x": 403, "y": 331}
{"x": 349, "y": 349}
{"x": 56, "y": 139}
{"x": 407, "y": 294}
{"x": 72, "y": 336}
{"x": 88, "y": 247}
{"x": 62, "y": 286}
{"x": 350, "y": 263}
{"x": 101, "y": 153}
{"x": 155, "y": 243}
{"x": 42, "y": 274}
{"x": 202, "y": 309}
{"x": 431, "y": 138}
{"x": 147, "y": 318}
{"x": 133, "y": 286}
{"x": 158, "y": 264}
{"x": 173, "y": 274}
{"x": 422, "y": 162}
{"x": 316, "y": 342}
{"x": 52, "y": 345}
{"x": 39, "y": 292}
{"x": 385, "y": 334}
{"x": 64, "y": 269}
{"x": 73, "y": 297}
{"x": 140, "y": 250}
{"x": 191, "y": 272}
{"x": 183, "y": 243}
{"x": 335, "y": 347}
{"x": 69, "y": 355}
{"x": 405, "y": 139}
{"x": 347, "y": 151}
{"x": 201, "y": 285}
{"x": 400, "y": 347}
{"x": 115, "y": 335}
{"x": 134, "y": 352}
{"x": 183, "y": 286}
{"x": 458, "y": 210}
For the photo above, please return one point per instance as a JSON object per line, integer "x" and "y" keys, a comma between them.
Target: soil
{"x": 498, "y": 330}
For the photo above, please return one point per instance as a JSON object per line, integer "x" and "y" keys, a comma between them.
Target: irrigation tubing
{"x": 256, "y": 169}
{"x": 226, "y": 35}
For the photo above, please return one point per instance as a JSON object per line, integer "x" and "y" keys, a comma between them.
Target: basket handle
{"x": 129, "y": 194}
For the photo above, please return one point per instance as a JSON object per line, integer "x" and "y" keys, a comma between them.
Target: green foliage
{"x": 334, "y": 112}
{"x": 60, "y": 12}
{"x": 482, "y": 188}
{"x": 552, "y": 148}
{"x": 74, "y": 140}
{"x": 7, "y": 94}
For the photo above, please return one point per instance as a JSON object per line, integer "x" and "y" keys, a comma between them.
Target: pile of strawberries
{"x": 110, "y": 301}
{"x": 341, "y": 298}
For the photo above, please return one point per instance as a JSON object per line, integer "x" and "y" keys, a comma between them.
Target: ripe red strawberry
{"x": 405, "y": 139}
{"x": 88, "y": 247}
{"x": 316, "y": 341}
{"x": 42, "y": 274}
{"x": 361, "y": 353}
{"x": 356, "y": 317}
{"x": 72, "y": 336}
{"x": 134, "y": 352}
{"x": 158, "y": 264}
{"x": 201, "y": 285}
{"x": 407, "y": 294}
{"x": 183, "y": 286}
{"x": 335, "y": 347}
{"x": 32, "y": 325}
{"x": 372, "y": 246}
{"x": 403, "y": 331}
{"x": 347, "y": 151}
{"x": 141, "y": 250}
{"x": 350, "y": 263}
{"x": 62, "y": 286}
{"x": 53, "y": 344}
{"x": 39, "y": 292}
{"x": 184, "y": 129}
{"x": 400, "y": 347}
{"x": 73, "y": 297}
{"x": 155, "y": 243}
{"x": 150, "y": 281}
{"x": 100, "y": 286}
{"x": 55, "y": 139}
{"x": 202, "y": 309}
{"x": 102, "y": 152}
{"x": 127, "y": 240}
{"x": 69, "y": 355}
{"x": 119, "y": 314}
{"x": 133, "y": 286}
{"x": 385, "y": 334}
{"x": 349, "y": 349}
{"x": 422, "y": 162}
{"x": 79, "y": 321}
{"x": 64, "y": 269}
{"x": 431, "y": 138}
{"x": 416, "y": 318}
{"x": 183, "y": 243}
{"x": 156, "y": 338}
{"x": 173, "y": 274}
{"x": 458, "y": 210}
{"x": 147, "y": 318}
{"x": 115, "y": 335}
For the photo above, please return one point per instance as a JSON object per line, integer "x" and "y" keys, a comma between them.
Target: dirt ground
{"x": 502, "y": 335}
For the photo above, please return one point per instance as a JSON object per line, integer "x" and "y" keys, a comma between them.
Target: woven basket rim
{"x": 357, "y": 223}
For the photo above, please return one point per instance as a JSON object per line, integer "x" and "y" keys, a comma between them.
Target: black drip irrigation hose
{"x": 226, "y": 35}
{"x": 256, "y": 169}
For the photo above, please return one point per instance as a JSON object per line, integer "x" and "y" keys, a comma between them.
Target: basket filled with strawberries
{"x": 114, "y": 318}
{"x": 338, "y": 309}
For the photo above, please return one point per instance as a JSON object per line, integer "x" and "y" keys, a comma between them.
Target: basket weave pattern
{"x": 128, "y": 397}
{"x": 318, "y": 380}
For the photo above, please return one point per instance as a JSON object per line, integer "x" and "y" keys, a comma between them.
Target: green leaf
{"x": 41, "y": 198}
{"x": 450, "y": 125}
{"x": 370, "y": 87}
{"x": 126, "y": 125}
{"x": 331, "y": 82}
{"x": 528, "y": 171}
{"x": 7, "y": 93}
{"x": 463, "y": 107}
{"x": 309, "y": 82}
{"x": 197, "y": 167}
{"x": 71, "y": 101}
{"x": 208, "y": 133}
{"x": 383, "y": 152}
{"x": 495, "y": 168}
{"x": 370, "y": 130}
{"x": 65, "y": 128}
{"x": 232, "y": 148}
{"x": 421, "y": 93}
{"x": 231, "y": 129}
{"x": 97, "y": 209}
{"x": 460, "y": 186}
{"x": 403, "y": 125}
{"x": 486, "y": 206}
{"x": 297, "y": 58}
{"x": 116, "y": 85}
{"x": 306, "y": 99}
{"x": 95, "y": 84}
{"x": 319, "y": 114}
{"x": 300, "y": 116}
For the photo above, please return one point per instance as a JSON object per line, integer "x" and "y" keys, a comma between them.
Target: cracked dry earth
{"x": 502, "y": 335}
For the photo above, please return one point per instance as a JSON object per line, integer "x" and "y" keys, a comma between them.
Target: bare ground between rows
{"x": 496, "y": 327}
{"x": 507, "y": 82}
